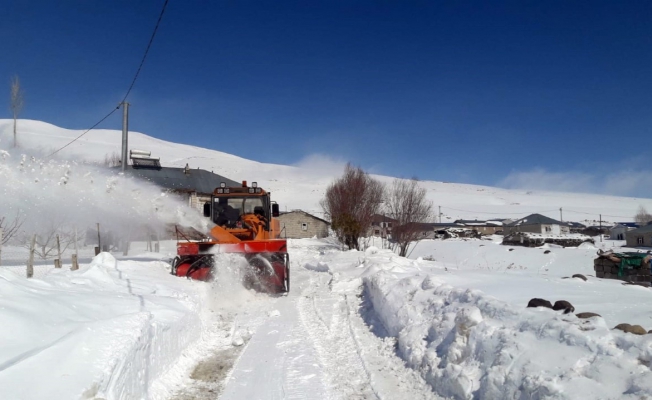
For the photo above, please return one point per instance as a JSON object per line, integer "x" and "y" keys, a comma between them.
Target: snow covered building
{"x": 482, "y": 227}
{"x": 537, "y": 223}
{"x": 299, "y": 224}
{"x": 639, "y": 237}
{"x": 381, "y": 225}
{"x": 618, "y": 231}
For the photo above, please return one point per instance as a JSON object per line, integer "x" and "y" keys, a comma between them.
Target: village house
{"x": 537, "y": 223}
{"x": 576, "y": 227}
{"x": 639, "y": 237}
{"x": 299, "y": 224}
{"x": 482, "y": 227}
{"x": 618, "y": 231}
{"x": 381, "y": 225}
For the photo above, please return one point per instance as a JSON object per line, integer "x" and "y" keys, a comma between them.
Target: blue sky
{"x": 552, "y": 95}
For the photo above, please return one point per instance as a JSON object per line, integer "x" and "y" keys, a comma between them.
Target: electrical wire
{"x": 149, "y": 45}
{"x": 131, "y": 86}
{"x": 85, "y": 132}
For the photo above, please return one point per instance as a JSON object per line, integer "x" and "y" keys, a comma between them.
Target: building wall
{"x": 486, "y": 230}
{"x": 197, "y": 201}
{"x": 633, "y": 239}
{"x": 551, "y": 229}
{"x": 299, "y": 225}
{"x": 618, "y": 233}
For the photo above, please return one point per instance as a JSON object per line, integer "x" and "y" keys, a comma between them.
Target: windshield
{"x": 228, "y": 210}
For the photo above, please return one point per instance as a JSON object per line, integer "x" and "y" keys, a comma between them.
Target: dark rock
{"x": 511, "y": 249}
{"x": 635, "y": 329}
{"x": 539, "y": 303}
{"x": 587, "y": 315}
{"x": 563, "y": 305}
{"x": 546, "y": 252}
{"x": 582, "y": 277}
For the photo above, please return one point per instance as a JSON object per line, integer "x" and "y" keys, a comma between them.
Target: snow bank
{"x": 470, "y": 345}
{"x": 106, "y": 331}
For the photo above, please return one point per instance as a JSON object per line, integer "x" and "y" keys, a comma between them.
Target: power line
{"x": 131, "y": 86}
{"x": 85, "y": 132}
{"x": 151, "y": 39}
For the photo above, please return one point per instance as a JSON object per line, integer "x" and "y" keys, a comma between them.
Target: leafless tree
{"x": 10, "y": 227}
{"x": 16, "y": 104}
{"x": 351, "y": 202}
{"x": 46, "y": 239}
{"x": 406, "y": 202}
{"x": 642, "y": 217}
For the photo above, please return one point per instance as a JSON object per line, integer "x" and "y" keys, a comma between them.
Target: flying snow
{"x": 46, "y": 195}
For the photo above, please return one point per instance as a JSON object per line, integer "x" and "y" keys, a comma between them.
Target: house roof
{"x": 472, "y": 222}
{"x": 575, "y": 225}
{"x": 377, "y": 218}
{"x": 195, "y": 180}
{"x": 305, "y": 213}
{"x": 627, "y": 224}
{"x": 642, "y": 229}
{"x": 428, "y": 226}
{"x": 536, "y": 219}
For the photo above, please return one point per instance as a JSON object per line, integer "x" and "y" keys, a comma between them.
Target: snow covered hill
{"x": 302, "y": 186}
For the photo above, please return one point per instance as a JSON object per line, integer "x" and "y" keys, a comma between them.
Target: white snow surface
{"x": 449, "y": 321}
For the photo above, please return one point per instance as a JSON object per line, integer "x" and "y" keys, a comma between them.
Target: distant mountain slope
{"x": 303, "y": 187}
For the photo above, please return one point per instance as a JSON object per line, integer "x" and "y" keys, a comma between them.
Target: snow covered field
{"x": 449, "y": 321}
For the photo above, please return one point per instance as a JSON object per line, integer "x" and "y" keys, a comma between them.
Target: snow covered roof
{"x": 642, "y": 229}
{"x": 475, "y": 222}
{"x": 536, "y": 219}
{"x": 182, "y": 179}
{"x": 627, "y": 224}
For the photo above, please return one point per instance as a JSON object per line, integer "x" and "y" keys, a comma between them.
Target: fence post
{"x": 30, "y": 263}
{"x": 57, "y": 262}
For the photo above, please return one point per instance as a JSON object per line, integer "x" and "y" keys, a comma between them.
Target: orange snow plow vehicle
{"x": 245, "y": 223}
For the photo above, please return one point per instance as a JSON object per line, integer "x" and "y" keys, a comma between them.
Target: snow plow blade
{"x": 269, "y": 263}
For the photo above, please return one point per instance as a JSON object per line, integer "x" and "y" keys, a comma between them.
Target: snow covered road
{"x": 314, "y": 342}
{"x": 356, "y": 325}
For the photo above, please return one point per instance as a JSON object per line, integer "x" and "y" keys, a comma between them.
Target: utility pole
{"x": 601, "y": 227}
{"x": 561, "y": 219}
{"x": 99, "y": 241}
{"x": 125, "y": 132}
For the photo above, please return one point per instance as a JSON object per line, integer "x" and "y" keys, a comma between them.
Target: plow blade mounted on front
{"x": 268, "y": 262}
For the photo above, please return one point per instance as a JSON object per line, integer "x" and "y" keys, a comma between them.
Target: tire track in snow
{"x": 336, "y": 349}
{"x": 358, "y": 364}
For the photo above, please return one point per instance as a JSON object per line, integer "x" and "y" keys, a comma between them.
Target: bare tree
{"x": 10, "y": 227}
{"x": 642, "y": 217}
{"x": 46, "y": 239}
{"x": 406, "y": 202}
{"x": 351, "y": 202}
{"x": 17, "y": 102}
